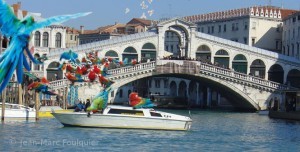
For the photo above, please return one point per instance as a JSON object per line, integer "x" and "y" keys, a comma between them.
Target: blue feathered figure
{"x": 19, "y": 33}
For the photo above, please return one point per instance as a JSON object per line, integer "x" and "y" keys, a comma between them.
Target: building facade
{"x": 255, "y": 26}
{"x": 291, "y": 35}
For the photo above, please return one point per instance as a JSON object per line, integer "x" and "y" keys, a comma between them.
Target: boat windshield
{"x": 125, "y": 112}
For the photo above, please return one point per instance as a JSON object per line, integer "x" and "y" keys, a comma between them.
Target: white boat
{"x": 16, "y": 111}
{"x": 126, "y": 117}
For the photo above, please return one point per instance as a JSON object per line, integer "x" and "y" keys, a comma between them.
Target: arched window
{"x": 45, "y": 39}
{"x": 58, "y": 40}
{"x": 37, "y": 38}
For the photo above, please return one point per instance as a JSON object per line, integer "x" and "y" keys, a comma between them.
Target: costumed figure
{"x": 99, "y": 102}
{"x": 19, "y": 32}
{"x": 138, "y": 102}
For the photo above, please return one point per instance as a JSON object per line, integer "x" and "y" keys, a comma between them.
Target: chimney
{"x": 81, "y": 29}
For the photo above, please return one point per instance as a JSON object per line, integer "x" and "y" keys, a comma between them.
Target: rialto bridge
{"x": 251, "y": 74}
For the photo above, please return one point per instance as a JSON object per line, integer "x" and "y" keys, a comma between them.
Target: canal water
{"x": 211, "y": 130}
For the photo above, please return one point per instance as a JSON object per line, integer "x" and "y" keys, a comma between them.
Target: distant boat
{"x": 263, "y": 112}
{"x": 291, "y": 115}
{"x": 126, "y": 117}
{"x": 16, "y": 111}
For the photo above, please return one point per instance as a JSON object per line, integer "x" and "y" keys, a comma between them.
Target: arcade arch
{"x": 203, "y": 53}
{"x": 258, "y": 68}
{"x": 130, "y": 53}
{"x": 222, "y": 58}
{"x": 240, "y": 63}
{"x": 276, "y": 73}
{"x": 148, "y": 52}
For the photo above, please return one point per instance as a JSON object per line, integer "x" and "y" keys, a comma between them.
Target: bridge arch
{"x": 53, "y": 70}
{"x": 112, "y": 54}
{"x": 258, "y": 68}
{"x": 172, "y": 42}
{"x": 203, "y": 53}
{"x": 179, "y": 41}
{"x": 236, "y": 97}
{"x": 240, "y": 63}
{"x": 294, "y": 78}
{"x": 222, "y": 58}
{"x": 276, "y": 73}
{"x": 173, "y": 89}
{"x": 148, "y": 52}
{"x": 130, "y": 53}
{"x": 182, "y": 90}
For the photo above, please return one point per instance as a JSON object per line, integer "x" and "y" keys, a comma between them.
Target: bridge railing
{"x": 242, "y": 76}
{"x": 59, "y": 83}
{"x": 138, "y": 67}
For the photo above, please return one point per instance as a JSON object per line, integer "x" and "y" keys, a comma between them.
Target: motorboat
{"x": 17, "y": 111}
{"x": 125, "y": 117}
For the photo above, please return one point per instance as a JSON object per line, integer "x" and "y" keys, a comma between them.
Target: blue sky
{"x": 106, "y": 12}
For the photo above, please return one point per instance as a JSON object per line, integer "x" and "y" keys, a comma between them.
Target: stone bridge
{"x": 249, "y": 92}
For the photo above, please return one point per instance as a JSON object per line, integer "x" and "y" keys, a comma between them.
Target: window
{"x": 166, "y": 83}
{"x": 254, "y": 25}
{"x": 157, "y": 83}
{"x": 208, "y": 29}
{"x": 253, "y": 41}
{"x": 202, "y": 29}
{"x": 245, "y": 40}
{"x": 233, "y": 27}
{"x": 125, "y": 112}
{"x": 71, "y": 37}
{"x": 277, "y": 44}
{"x": 154, "y": 114}
{"x": 294, "y": 19}
{"x": 224, "y": 28}
{"x": 220, "y": 28}
{"x": 58, "y": 40}
{"x": 45, "y": 39}
{"x": 236, "y": 26}
{"x": 172, "y": 49}
{"x": 75, "y": 38}
{"x": 37, "y": 36}
{"x": 293, "y": 34}
{"x": 246, "y": 26}
{"x": 212, "y": 29}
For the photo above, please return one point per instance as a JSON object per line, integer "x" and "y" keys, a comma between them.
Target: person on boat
{"x": 87, "y": 104}
{"x": 79, "y": 107}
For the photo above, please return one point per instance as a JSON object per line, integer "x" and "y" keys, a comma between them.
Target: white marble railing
{"x": 241, "y": 76}
{"x": 138, "y": 67}
{"x": 59, "y": 83}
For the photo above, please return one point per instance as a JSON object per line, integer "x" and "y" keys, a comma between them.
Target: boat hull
{"x": 126, "y": 122}
{"x": 18, "y": 114}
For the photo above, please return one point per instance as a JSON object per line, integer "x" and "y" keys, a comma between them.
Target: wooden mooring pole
{"x": 37, "y": 105}
{"x": 3, "y": 104}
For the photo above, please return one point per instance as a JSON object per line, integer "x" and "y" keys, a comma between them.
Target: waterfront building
{"x": 72, "y": 35}
{"x": 291, "y": 35}
{"x": 258, "y": 26}
{"x": 135, "y": 25}
{"x": 101, "y": 33}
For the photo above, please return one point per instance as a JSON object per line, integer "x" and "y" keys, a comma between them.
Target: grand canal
{"x": 211, "y": 130}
